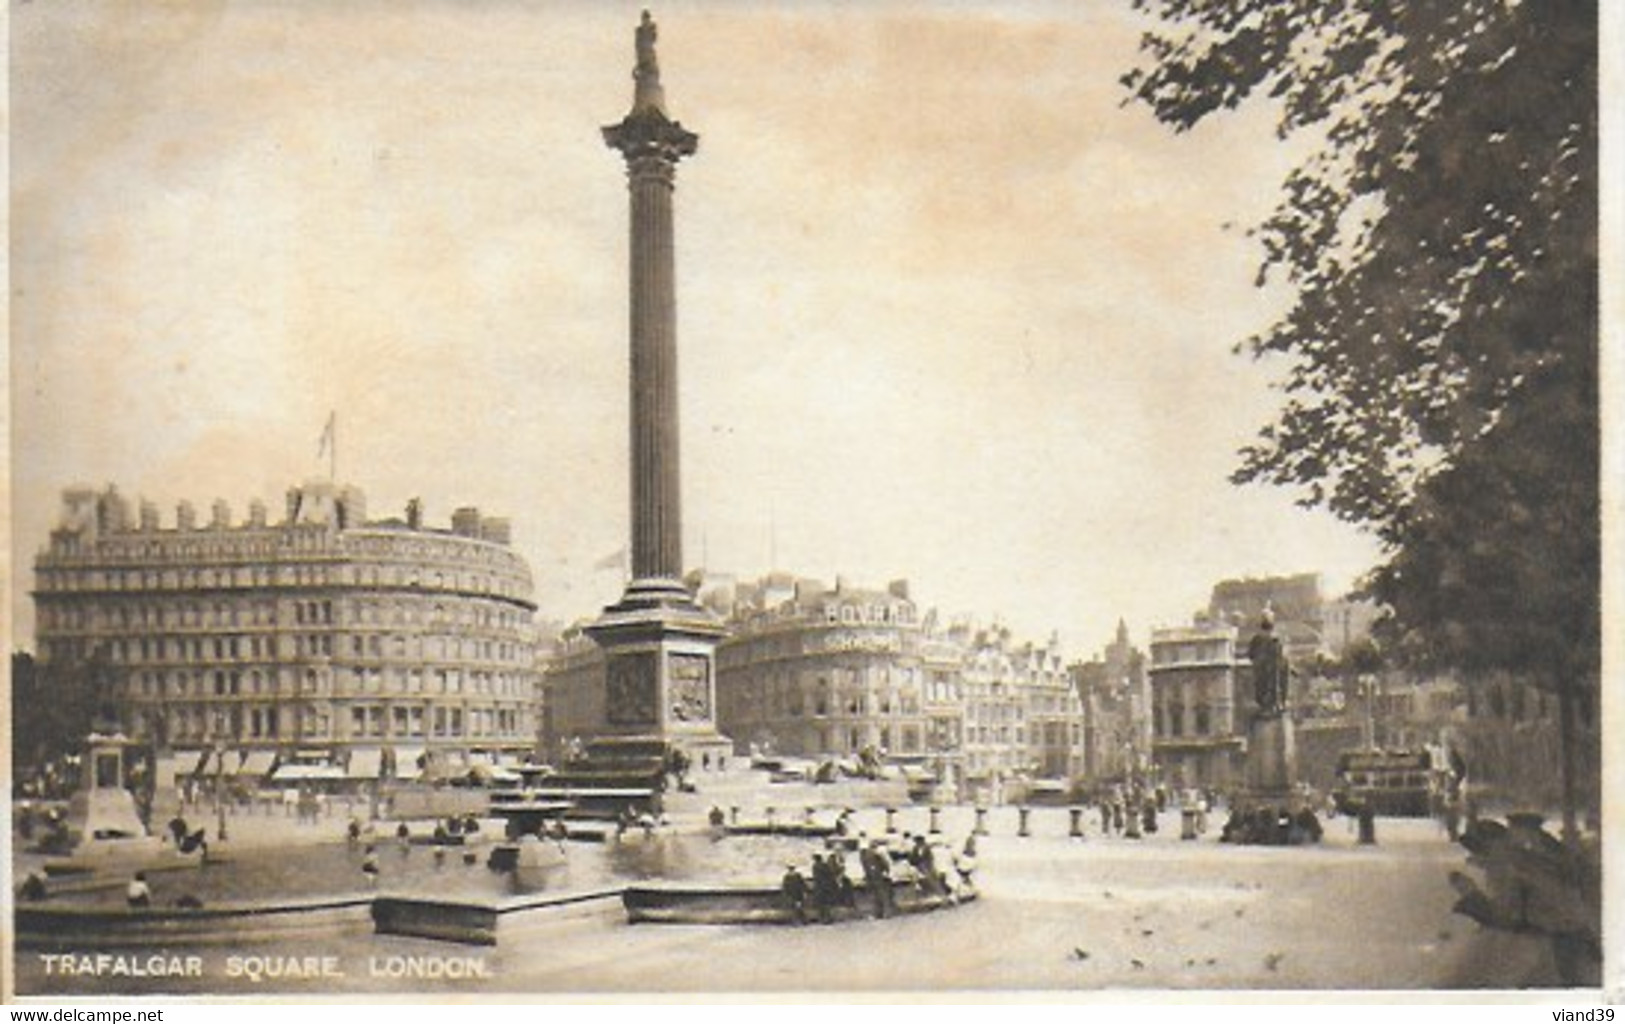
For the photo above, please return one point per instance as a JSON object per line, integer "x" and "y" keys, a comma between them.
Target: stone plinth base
{"x": 1272, "y": 757}
{"x": 1254, "y": 822}
{"x": 105, "y": 815}
{"x": 1269, "y": 810}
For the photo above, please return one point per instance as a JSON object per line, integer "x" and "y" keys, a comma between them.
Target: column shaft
{"x": 656, "y": 493}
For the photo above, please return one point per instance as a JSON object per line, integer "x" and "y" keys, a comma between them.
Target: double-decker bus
{"x": 1399, "y": 783}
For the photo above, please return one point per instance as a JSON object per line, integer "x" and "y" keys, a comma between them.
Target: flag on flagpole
{"x": 329, "y": 434}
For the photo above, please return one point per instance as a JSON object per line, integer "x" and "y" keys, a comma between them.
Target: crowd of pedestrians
{"x": 909, "y": 863}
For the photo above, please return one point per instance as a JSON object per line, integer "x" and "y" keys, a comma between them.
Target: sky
{"x": 948, "y": 309}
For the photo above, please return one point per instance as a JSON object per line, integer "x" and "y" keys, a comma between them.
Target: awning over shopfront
{"x": 307, "y": 773}
{"x": 365, "y": 764}
{"x": 406, "y": 762}
{"x": 257, "y": 763}
{"x": 444, "y": 764}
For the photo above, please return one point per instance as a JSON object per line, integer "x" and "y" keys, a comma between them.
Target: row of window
{"x": 995, "y": 735}
{"x": 739, "y": 652}
{"x": 1004, "y": 711}
{"x": 423, "y": 548}
{"x": 1048, "y": 735}
{"x": 55, "y": 578}
{"x": 407, "y": 611}
{"x": 145, "y": 650}
{"x": 1193, "y": 652}
{"x": 436, "y": 721}
{"x": 434, "y": 681}
{"x": 840, "y": 681}
{"x": 795, "y": 704}
{"x": 833, "y": 612}
{"x": 976, "y": 675}
{"x": 207, "y": 724}
{"x": 1171, "y": 720}
{"x": 234, "y": 683}
{"x": 979, "y": 763}
{"x": 854, "y": 740}
{"x": 202, "y": 723}
{"x": 431, "y": 648}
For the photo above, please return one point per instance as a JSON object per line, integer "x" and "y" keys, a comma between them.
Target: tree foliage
{"x": 53, "y": 709}
{"x": 1440, "y": 381}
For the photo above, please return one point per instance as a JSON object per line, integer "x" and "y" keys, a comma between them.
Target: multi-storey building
{"x": 1116, "y": 702}
{"x": 821, "y": 671}
{"x": 941, "y": 664}
{"x": 368, "y": 643}
{"x": 1199, "y": 707}
{"x": 572, "y": 695}
{"x": 1054, "y": 712}
{"x": 815, "y": 671}
{"x": 1023, "y": 718}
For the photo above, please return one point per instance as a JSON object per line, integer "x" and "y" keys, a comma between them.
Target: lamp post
{"x": 1368, "y": 690}
{"x": 220, "y": 789}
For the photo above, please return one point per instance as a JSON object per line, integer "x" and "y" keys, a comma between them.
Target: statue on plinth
{"x": 1271, "y": 671}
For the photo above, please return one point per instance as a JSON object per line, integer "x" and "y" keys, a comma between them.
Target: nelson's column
{"x": 659, "y": 645}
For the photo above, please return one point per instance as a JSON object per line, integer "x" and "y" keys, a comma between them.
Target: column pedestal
{"x": 659, "y": 672}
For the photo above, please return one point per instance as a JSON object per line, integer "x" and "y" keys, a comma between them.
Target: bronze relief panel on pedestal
{"x": 690, "y": 687}
{"x": 631, "y": 687}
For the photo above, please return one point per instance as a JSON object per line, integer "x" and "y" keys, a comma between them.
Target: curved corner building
{"x": 325, "y": 636}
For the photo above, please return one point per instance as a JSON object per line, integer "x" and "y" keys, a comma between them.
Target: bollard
{"x": 1188, "y": 818}
{"x": 1131, "y": 823}
{"x": 891, "y": 821}
{"x": 981, "y": 822}
{"x": 1021, "y": 829}
{"x": 1077, "y": 822}
{"x": 936, "y": 820}
{"x": 807, "y": 815}
{"x": 1368, "y": 826}
{"x": 733, "y": 815}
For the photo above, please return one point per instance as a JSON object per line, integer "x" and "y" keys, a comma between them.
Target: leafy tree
{"x": 1440, "y": 386}
{"x": 53, "y": 708}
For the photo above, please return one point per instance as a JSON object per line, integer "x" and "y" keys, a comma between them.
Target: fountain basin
{"x": 54, "y": 926}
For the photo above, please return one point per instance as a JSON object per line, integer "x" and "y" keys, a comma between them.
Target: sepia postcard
{"x": 1089, "y": 501}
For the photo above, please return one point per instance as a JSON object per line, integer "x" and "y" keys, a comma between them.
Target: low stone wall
{"x": 67, "y": 927}
{"x": 478, "y": 922}
{"x": 439, "y": 802}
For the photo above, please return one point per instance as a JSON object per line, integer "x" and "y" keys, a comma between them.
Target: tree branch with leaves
{"x": 1439, "y": 381}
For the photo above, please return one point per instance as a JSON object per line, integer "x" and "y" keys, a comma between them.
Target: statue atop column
{"x": 647, "y": 33}
{"x": 1271, "y": 672}
{"x": 648, "y": 95}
